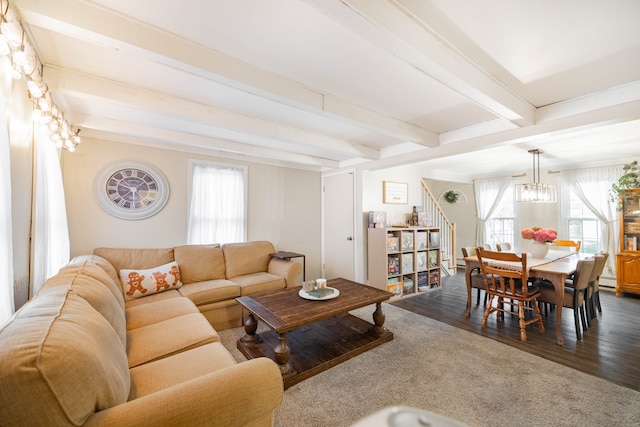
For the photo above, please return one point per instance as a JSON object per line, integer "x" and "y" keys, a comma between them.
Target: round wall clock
{"x": 131, "y": 190}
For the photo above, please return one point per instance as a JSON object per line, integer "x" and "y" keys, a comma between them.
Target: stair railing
{"x": 447, "y": 230}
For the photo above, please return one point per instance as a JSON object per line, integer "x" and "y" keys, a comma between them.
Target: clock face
{"x": 131, "y": 190}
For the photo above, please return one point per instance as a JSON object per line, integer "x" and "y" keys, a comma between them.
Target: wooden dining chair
{"x": 505, "y": 275}
{"x": 477, "y": 281}
{"x": 574, "y": 297}
{"x": 504, "y": 246}
{"x": 568, "y": 243}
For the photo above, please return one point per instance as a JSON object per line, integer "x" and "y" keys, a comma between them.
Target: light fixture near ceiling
{"x": 15, "y": 44}
{"x": 536, "y": 191}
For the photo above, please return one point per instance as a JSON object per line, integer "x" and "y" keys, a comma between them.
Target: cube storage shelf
{"x": 404, "y": 261}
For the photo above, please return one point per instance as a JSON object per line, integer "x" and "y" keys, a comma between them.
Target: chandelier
{"x": 536, "y": 191}
{"x": 15, "y": 45}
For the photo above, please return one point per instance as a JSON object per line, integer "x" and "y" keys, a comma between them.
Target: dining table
{"x": 555, "y": 267}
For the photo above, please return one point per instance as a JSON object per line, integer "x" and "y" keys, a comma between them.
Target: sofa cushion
{"x": 168, "y": 337}
{"x": 171, "y": 294}
{"x": 93, "y": 270}
{"x": 100, "y": 262}
{"x": 259, "y": 282}
{"x": 138, "y": 283}
{"x": 132, "y": 259}
{"x": 178, "y": 368}
{"x": 246, "y": 258}
{"x": 95, "y": 293}
{"x": 158, "y": 311}
{"x": 60, "y": 361}
{"x": 199, "y": 262}
{"x": 210, "y": 291}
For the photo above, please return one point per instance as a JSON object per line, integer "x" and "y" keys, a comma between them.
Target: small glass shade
{"x": 536, "y": 192}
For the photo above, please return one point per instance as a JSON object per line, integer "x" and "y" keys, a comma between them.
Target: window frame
{"x": 193, "y": 163}
{"x": 494, "y": 238}
{"x": 567, "y": 219}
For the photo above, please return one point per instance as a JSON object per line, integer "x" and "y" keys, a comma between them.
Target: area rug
{"x": 443, "y": 369}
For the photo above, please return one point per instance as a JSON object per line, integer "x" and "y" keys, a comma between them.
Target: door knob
{"x": 349, "y": 238}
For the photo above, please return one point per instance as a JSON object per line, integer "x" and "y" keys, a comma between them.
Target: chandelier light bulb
{"x": 536, "y": 191}
{"x": 44, "y": 103}
{"x": 69, "y": 145}
{"x": 24, "y": 61}
{"x": 34, "y": 89}
{"x": 46, "y": 118}
{"x": 12, "y": 31}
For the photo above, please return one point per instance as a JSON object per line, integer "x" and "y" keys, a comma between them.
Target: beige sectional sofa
{"x": 213, "y": 276}
{"x": 83, "y": 352}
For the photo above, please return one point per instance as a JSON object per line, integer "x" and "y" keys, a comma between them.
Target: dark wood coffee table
{"x": 308, "y": 337}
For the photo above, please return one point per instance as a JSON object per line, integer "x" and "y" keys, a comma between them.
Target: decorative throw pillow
{"x": 139, "y": 283}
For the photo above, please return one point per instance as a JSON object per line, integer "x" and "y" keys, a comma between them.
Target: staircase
{"x": 447, "y": 231}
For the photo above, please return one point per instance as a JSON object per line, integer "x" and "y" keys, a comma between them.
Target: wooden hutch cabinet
{"x": 628, "y": 260}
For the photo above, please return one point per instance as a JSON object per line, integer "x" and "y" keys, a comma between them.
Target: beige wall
{"x": 371, "y": 196}
{"x": 462, "y": 214}
{"x": 372, "y": 200}
{"x": 283, "y": 203}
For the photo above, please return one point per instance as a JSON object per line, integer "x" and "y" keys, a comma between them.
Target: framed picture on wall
{"x": 395, "y": 192}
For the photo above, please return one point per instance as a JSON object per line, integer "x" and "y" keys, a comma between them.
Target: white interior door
{"x": 338, "y": 226}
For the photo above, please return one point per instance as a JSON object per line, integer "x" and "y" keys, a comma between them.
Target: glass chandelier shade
{"x": 535, "y": 191}
{"x": 15, "y": 45}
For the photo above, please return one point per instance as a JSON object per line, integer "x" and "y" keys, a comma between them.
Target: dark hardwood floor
{"x": 610, "y": 348}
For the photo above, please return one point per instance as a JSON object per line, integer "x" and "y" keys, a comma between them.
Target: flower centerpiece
{"x": 539, "y": 238}
{"x": 539, "y": 234}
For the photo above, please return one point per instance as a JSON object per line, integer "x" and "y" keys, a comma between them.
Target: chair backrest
{"x": 598, "y": 266}
{"x": 486, "y": 246}
{"x": 583, "y": 273}
{"x": 606, "y": 257}
{"x": 503, "y": 246}
{"x": 468, "y": 251}
{"x": 569, "y": 243}
{"x": 504, "y": 272}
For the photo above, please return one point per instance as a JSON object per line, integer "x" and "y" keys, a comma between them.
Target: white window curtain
{"x": 488, "y": 194}
{"x": 217, "y": 211}
{"x": 50, "y": 250}
{"x": 592, "y": 188}
{"x": 7, "y": 304}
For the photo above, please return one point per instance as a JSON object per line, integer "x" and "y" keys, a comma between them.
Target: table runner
{"x": 531, "y": 262}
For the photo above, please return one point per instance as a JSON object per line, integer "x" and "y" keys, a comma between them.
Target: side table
{"x": 288, "y": 255}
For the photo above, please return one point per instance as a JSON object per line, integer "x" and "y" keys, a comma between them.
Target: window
{"x": 501, "y": 224}
{"x": 582, "y": 224}
{"x": 217, "y": 212}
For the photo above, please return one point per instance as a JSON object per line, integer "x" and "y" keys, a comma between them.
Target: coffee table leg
{"x": 250, "y": 328}
{"x": 281, "y": 354}
{"x": 378, "y": 320}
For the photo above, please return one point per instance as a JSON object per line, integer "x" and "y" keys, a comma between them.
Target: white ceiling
{"x": 463, "y": 88}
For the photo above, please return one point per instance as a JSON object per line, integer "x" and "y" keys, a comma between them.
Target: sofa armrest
{"x": 234, "y": 396}
{"x": 287, "y": 269}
